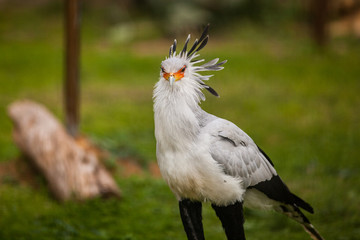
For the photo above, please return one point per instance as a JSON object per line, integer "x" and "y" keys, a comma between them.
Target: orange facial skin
{"x": 178, "y": 75}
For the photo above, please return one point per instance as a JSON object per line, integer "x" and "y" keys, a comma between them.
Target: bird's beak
{"x": 171, "y": 79}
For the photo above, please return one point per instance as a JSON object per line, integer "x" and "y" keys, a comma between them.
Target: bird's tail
{"x": 310, "y": 229}
{"x": 293, "y": 212}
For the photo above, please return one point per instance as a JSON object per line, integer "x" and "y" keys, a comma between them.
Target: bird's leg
{"x": 232, "y": 220}
{"x": 190, "y": 212}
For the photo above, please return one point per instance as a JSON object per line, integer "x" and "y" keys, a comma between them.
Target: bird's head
{"x": 182, "y": 66}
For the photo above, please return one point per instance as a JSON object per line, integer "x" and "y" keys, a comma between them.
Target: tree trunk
{"x": 319, "y": 11}
{"x": 72, "y": 63}
{"x": 72, "y": 172}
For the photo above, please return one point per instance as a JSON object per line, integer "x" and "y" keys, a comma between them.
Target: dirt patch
{"x": 154, "y": 170}
{"x": 129, "y": 167}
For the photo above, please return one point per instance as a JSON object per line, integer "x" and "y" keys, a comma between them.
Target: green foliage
{"x": 301, "y": 105}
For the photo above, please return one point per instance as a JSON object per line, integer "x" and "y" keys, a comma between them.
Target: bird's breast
{"x": 193, "y": 174}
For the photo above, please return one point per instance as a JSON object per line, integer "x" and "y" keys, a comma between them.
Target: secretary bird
{"x": 206, "y": 158}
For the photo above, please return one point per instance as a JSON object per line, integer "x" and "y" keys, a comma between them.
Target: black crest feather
{"x": 202, "y": 41}
{"x": 210, "y": 89}
{"x": 172, "y": 48}
{"x": 199, "y": 44}
{"x": 193, "y": 48}
{"x": 203, "y": 44}
{"x": 185, "y": 45}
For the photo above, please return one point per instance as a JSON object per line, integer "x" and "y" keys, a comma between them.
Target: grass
{"x": 301, "y": 105}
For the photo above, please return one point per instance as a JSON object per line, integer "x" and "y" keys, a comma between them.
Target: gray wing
{"x": 241, "y": 157}
{"x": 238, "y": 154}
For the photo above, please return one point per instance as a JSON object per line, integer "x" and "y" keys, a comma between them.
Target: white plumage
{"x": 206, "y": 158}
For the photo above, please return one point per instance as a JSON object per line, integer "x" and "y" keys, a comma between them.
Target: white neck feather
{"x": 176, "y": 108}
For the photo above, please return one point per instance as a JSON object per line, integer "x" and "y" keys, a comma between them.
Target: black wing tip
{"x": 301, "y": 203}
{"x": 295, "y": 199}
{"x": 276, "y": 189}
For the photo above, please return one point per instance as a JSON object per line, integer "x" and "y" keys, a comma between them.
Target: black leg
{"x": 232, "y": 220}
{"x": 192, "y": 220}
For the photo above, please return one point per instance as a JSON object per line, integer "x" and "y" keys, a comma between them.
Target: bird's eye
{"x": 183, "y": 69}
{"x": 162, "y": 69}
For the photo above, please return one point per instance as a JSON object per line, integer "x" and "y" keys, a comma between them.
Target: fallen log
{"x": 72, "y": 171}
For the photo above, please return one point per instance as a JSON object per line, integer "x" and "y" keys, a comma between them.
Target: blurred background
{"x": 291, "y": 82}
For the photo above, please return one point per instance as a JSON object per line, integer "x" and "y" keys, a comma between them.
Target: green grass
{"x": 301, "y": 105}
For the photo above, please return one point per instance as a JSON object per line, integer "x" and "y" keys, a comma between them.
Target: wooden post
{"x": 72, "y": 53}
{"x": 319, "y": 10}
